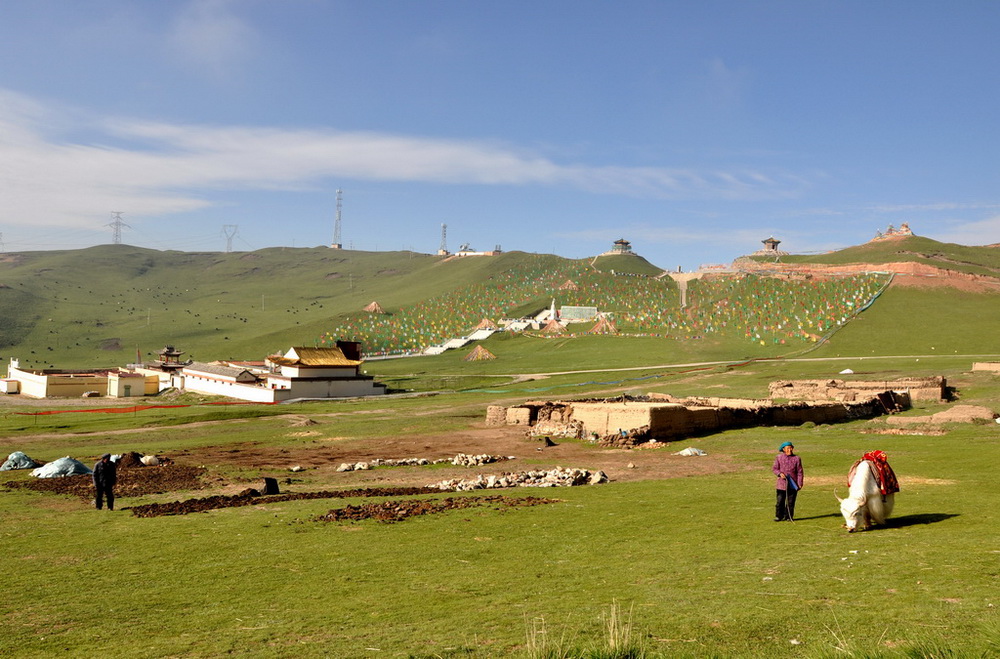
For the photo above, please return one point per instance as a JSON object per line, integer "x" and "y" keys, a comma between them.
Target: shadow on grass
{"x": 913, "y": 520}
{"x": 802, "y": 519}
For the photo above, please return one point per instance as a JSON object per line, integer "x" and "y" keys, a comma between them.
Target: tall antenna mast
{"x": 336, "y": 244}
{"x": 116, "y": 225}
{"x": 443, "y": 249}
{"x": 230, "y": 230}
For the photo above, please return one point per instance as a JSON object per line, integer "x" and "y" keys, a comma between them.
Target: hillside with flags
{"x": 759, "y": 309}
{"x": 130, "y": 302}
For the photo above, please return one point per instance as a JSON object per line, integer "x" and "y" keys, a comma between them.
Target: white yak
{"x": 865, "y": 501}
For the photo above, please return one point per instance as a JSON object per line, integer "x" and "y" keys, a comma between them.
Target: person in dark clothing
{"x": 788, "y": 469}
{"x": 105, "y": 477}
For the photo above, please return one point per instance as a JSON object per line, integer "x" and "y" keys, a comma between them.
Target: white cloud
{"x": 149, "y": 168}
{"x": 725, "y": 85}
{"x": 979, "y": 232}
{"x": 940, "y": 206}
{"x": 737, "y": 239}
{"x": 208, "y": 36}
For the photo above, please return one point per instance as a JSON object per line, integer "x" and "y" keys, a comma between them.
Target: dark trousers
{"x": 105, "y": 491}
{"x": 784, "y": 507}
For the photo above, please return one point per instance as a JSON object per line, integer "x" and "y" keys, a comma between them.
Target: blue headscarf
{"x": 782, "y": 447}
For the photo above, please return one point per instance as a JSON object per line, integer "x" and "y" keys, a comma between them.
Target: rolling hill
{"x": 982, "y": 260}
{"x": 102, "y": 305}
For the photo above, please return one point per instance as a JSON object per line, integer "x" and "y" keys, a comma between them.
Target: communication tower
{"x": 336, "y": 244}
{"x": 443, "y": 249}
{"x": 116, "y": 225}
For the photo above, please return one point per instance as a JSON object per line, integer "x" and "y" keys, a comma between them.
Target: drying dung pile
{"x": 132, "y": 482}
{"x": 252, "y": 497}
{"x": 396, "y": 511}
{"x": 558, "y": 477}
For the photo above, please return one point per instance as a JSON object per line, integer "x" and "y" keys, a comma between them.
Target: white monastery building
{"x": 299, "y": 373}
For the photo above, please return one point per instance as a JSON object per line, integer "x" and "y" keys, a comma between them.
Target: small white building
{"x": 299, "y": 373}
{"x": 60, "y": 383}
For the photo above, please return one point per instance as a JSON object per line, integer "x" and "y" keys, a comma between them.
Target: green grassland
{"x": 678, "y": 567}
{"x": 98, "y": 306}
{"x": 949, "y": 256}
{"x": 695, "y": 564}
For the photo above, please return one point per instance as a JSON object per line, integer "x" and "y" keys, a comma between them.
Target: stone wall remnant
{"x": 930, "y": 388}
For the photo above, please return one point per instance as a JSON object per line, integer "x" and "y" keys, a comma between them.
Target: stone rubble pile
{"x": 558, "y": 477}
{"x": 461, "y": 460}
{"x": 383, "y": 462}
{"x": 625, "y": 438}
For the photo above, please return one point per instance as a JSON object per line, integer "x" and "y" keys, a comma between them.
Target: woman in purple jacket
{"x": 788, "y": 468}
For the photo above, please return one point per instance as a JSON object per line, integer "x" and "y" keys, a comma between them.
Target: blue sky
{"x": 693, "y": 129}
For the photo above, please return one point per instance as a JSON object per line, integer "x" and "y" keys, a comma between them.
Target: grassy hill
{"x": 626, "y": 264}
{"x": 949, "y": 256}
{"x": 97, "y": 306}
{"x": 100, "y": 306}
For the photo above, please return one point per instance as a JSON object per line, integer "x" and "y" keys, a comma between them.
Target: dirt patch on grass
{"x": 930, "y": 432}
{"x": 310, "y": 465}
{"x": 252, "y": 497}
{"x": 132, "y": 482}
{"x": 397, "y": 511}
{"x": 383, "y": 511}
{"x": 319, "y": 457}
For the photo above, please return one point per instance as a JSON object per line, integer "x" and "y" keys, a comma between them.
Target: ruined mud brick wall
{"x": 555, "y": 419}
{"x": 930, "y": 388}
{"x": 749, "y": 412}
{"x": 521, "y": 416}
{"x": 986, "y": 366}
{"x": 735, "y": 403}
{"x": 796, "y": 414}
{"x": 496, "y": 415}
{"x": 603, "y": 418}
{"x": 531, "y": 413}
{"x": 674, "y": 420}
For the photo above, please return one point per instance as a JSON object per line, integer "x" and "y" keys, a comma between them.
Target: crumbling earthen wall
{"x": 521, "y": 416}
{"x": 660, "y": 419}
{"x": 496, "y": 415}
{"x": 606, "y": 418}
{"x": 930, "y": 388}
{"x": 986, "y": 366}
{"x": 735, "y": 403}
